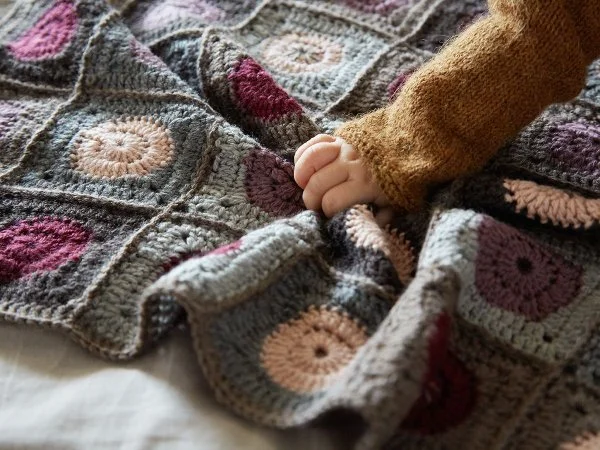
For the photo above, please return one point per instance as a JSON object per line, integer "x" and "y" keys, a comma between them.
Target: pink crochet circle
{"x": 549, "y": 204}
{"x": 270, "y": 183}
{"x": 49, "y": 36}
{"x": 300, "y": 53}
{"x": 306, "y": 354}
{"x": 364, "y": 232}
{"x": 132, "y": 146}
{"x": 40, "y": 245}
{"x": 515, "y": 273}
{"x": 258, "y": 93}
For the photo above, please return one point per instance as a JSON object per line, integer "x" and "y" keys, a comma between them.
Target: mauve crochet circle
{"x": 576, "y": 147}
{"x": 515, "y": 273}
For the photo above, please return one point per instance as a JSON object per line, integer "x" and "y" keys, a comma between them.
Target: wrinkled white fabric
{"x": 55, "y": 395}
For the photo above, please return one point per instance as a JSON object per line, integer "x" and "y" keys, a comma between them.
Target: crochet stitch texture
{"x": 146, "y": 179}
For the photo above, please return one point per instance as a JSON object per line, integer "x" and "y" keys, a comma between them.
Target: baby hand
{"x": 333, "y": 176}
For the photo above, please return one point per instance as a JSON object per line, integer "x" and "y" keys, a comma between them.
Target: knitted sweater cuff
{"x": 384, "y": 163}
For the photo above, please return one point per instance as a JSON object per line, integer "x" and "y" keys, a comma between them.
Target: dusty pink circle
{"x": 305, "y": 354}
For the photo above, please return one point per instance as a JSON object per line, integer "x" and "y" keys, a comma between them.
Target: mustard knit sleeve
{"x": 492, "y": 80}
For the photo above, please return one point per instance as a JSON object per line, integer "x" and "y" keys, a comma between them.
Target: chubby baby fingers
{"x": 316, "y": 140}
{"x": 313, "y": 159}
{"x": 346, "y": 195}
{"x": 321, "y": 182}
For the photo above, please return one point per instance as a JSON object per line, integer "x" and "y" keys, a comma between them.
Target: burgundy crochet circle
{"x": 449, "y": 392}
{"x": 270, "y": 183}
{"x": 515, "y": 273}
{"x": 40, "y": 245}
{"x": 258, "y": 93}
{"x": 49, "y": 36}
{"x": 576, "y": 147}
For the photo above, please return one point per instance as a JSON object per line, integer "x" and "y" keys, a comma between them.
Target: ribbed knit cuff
{"x": 384, "y": 163}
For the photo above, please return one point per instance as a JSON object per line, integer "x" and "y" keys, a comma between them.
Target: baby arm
{"x": 455, "y": 113}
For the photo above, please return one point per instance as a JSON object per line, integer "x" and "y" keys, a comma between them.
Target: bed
{"x": 55, "y": 395}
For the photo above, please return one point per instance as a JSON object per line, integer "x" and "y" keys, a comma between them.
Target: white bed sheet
{"x": 55, "y": 395}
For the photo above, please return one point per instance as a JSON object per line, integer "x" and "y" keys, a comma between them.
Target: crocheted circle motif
{"x": 515, "y": 273}
{"x": 168, "y": 11}
{"x": 49, "y": 36}
{"x": 9, "y": 116}
{"x": 449, "y": 392}
{"x": 133, "y": 146}
{"x": 305, "y": 354}
{"x": 258, "y": 93}
{"x": 376, "y": 6}
{"x": 270, "y": 183}
{"x": 298, "y": 53}
{"x": 575, "y": 147}
{"x": 39, "y": 245}
{"x": 561, "y": 208}
{"x": 364, "y": 232}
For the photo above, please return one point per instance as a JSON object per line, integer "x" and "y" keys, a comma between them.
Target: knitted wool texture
{"x": 146, "y": 181}
{"x": 461, "y": 107}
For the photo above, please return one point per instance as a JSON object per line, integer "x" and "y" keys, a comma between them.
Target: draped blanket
{"x": 146, "y": 180}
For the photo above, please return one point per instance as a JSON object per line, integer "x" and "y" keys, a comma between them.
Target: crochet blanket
{"x": 146, "y": 180}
